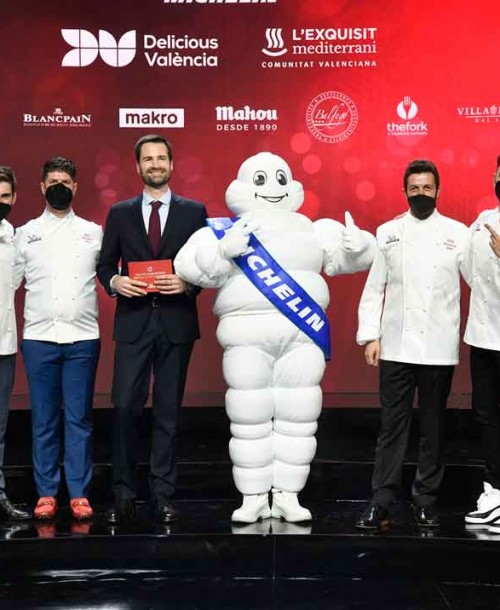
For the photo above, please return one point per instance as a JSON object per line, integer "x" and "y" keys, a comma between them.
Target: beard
{"x": 156, "y": 179}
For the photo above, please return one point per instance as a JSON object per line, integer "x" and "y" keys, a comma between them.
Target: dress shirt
{"x": 411, "y": 300}
{"x": 483, "y": 266}
{"x": 8, "y": 334}
{"x": 162, "y": 210}
{"x": 57, "y": 257}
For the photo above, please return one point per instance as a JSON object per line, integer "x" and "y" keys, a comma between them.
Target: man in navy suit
{"x": 154, "y": 331}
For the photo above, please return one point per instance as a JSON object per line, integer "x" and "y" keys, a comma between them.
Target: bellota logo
{"x": 86, "y": 48}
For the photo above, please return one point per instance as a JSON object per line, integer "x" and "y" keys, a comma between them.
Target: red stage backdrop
{"x": 348, "y": 92}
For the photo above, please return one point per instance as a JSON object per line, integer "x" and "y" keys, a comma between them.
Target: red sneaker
{"x": 81, "y": 509}
{"x": 46, "y": 508}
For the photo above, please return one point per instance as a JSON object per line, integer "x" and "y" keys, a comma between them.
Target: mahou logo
{"x": 86, "y": 48}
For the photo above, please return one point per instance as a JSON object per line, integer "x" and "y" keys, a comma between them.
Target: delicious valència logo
{"x": 86, "y": 48}
{"x": 170, "y": 51}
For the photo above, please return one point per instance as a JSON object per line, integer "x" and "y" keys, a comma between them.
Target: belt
{"x": 155, "y": 301}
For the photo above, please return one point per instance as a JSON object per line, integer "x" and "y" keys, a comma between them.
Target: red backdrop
{"x": 348, "y": 92}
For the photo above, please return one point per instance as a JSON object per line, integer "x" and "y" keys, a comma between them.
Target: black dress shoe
{"x": 165, "y": 513}
{"x": 426, "y": 516}
{"x": 123, "y": 511}
{"x": 11, "y": 513}
{"x": 373, "y": 517}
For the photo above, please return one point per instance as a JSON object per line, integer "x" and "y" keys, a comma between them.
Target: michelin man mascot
{"x": 273, "y": 329}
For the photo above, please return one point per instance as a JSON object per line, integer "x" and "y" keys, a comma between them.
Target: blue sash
{"x": 279, "y": 288}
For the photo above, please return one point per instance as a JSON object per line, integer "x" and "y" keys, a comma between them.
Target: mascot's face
{"x": 264, "y": 182}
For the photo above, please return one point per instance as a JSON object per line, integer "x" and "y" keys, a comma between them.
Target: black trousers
{"x": 485, "y": 376}
{"x": 134, "y": 362}
{"x": 398, "y": 383}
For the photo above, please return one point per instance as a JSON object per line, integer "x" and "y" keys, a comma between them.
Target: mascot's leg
{"x": 248, "y": 373}
{"x": 297, "y": 405}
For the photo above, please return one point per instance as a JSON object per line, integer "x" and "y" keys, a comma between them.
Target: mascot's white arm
{"x": 346, "y": 249}
{"x": 206, "y": 261}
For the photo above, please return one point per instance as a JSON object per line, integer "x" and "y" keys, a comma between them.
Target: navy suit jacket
{"x": 125, "y": 240}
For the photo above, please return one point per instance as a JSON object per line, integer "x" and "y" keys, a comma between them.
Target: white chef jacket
{"x": 483, "y": 267}
{"x": 8, "y": 334}
{"x": 57, "y": 257}
{"x": 411, "y": 300}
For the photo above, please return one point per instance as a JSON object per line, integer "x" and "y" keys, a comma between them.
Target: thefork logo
{"x": 86, "y": 48}
{"x": 407, "y": 109}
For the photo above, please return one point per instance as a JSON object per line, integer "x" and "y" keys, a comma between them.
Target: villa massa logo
{"x": 86, "y": 48}
{"x": 332, "y": 117}
{"x": 275, "y": 43}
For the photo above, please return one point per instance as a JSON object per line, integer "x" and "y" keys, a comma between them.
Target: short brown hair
{"x": 155, "y": 139}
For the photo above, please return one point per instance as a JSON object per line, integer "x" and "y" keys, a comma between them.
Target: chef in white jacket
{"x": 409, "y": 318}
{"x": 272, "y": 366}
{"x": 482, "y": 333}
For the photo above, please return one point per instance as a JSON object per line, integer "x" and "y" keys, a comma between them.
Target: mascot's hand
{"x": 235, "y": 241}
{"x": 352, "y": 238}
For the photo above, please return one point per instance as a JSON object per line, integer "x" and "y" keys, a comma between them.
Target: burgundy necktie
{"x": 154, "y": 229}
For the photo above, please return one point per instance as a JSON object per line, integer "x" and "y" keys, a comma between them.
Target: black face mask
{"x": 5, "y": 209}
{"x": 59, "y": 196}
{"x": 497, "y": 190}
{"x": 422, "y": 206}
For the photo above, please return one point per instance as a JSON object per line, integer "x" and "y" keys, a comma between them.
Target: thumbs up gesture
{"x": 352, "y": 239}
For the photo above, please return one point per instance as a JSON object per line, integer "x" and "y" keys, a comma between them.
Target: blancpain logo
{"x": 57, "y": 119}
{"x": 407, "y": 110}
{"x": 151, "y": 117}
{"x": 480, "y": 114}
{"x": 344, "y": 47}
{"x": 246, "y": 118}
{"x": 170, "y": 51}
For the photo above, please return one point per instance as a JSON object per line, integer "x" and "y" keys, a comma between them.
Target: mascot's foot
{"x": 254, "y": 507}
{"x": 286, "y": 505}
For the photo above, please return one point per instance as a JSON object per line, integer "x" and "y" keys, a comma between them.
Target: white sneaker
{"x": 254, "y": 507}
{"x": 286, "y": 505}
{"x": 488, "y": 507}
{"x": 494, "y": 528}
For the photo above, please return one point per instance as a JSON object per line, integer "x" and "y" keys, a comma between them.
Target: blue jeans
{"x": 7, "y": 369}
{"x": 61, "y": 380}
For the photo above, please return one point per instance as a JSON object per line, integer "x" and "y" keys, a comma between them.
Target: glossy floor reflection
{"x": 205, "y": 561}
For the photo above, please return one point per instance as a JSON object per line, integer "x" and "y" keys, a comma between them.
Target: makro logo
{"x": 86, "y": 48}
{"x": 275, "y": 43}
{"x": 407, "y": 110}
{"x": 151, "y": 117}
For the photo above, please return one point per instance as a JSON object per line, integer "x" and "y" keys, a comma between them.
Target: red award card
{"x": 148, "y": 271}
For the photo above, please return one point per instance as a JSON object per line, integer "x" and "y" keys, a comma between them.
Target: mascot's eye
{"x": 259, "y": 178}
{"x": 281, "y": 177}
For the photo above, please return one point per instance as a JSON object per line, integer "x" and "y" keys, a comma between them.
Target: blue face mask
{"x": 59, "y": 196}
{"x": 422, "y": 206}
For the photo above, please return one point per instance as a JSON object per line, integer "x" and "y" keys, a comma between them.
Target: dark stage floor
{"x": 203, "y": 561}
